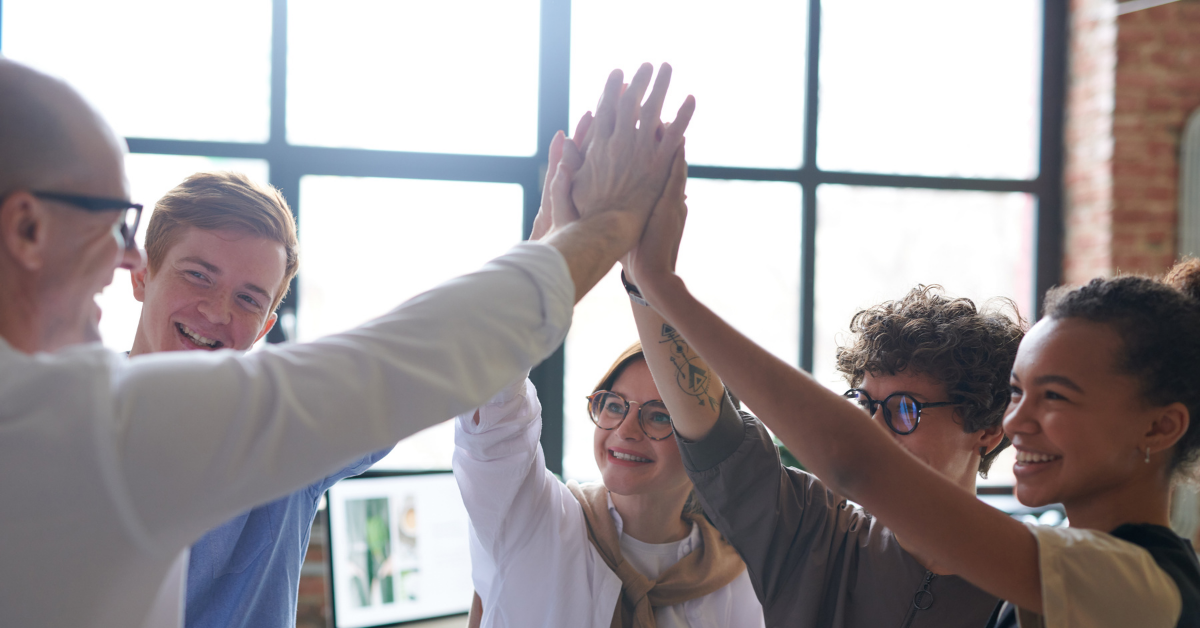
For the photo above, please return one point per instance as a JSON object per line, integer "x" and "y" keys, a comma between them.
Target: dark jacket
{"x": 814, "y": 558}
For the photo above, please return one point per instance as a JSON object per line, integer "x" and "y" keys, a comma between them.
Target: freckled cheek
{"x": 245, "y": 329}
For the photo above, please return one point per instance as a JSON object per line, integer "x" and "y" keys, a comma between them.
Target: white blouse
{"x": 532, "y": 563}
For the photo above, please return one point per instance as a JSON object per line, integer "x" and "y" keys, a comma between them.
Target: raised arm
{"x": 844, "y": 447}
{"x": 691, "y": 391}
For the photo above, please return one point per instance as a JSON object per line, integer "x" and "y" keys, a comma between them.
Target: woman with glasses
{"x": 634, "y": 550}
{"x": 933, "y": 371}
{"x": 1104, "y": 412}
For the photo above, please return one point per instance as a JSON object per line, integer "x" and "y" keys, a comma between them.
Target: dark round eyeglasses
{"x": 901, "y": 412}
{"x": 131, "y": 212}
{"x": 608, "y": 410}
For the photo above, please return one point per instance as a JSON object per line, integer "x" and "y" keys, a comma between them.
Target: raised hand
{"x": 629, "y": 151}
{"x": 654, "y": 255}
{"x": 551, "y": 216}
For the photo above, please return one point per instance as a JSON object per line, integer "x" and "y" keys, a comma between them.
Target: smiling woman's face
{"x": 1075, "y": 421}
{"x": 214, "y": 290}
{"x": 629, "y": 461}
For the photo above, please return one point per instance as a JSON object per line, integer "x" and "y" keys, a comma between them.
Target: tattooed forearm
{"x": 691, "y": 378}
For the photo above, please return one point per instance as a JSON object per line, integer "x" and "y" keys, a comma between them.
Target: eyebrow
{"x": 217, "y": 271}
{"x": 207, "y": 266}
{"x": 1061, "y": 380}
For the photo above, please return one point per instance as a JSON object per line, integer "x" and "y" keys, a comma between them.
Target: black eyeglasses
{"x": 901, "y": 412}
{"x": 129, "y": 223}
{"x": 608, "y": 410}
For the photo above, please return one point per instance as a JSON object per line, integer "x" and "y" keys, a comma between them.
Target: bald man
{"x": 109, "y": 467}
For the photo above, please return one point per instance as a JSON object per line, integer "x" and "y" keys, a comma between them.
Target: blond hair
{"x": 218, "y": 201}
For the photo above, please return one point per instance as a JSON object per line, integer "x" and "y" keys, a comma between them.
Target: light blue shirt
{"x": 246, "y": 572}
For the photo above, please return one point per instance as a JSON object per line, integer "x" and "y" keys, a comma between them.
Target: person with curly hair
{"x": 933, "y": 370}
{"x": 1102, "y": 395}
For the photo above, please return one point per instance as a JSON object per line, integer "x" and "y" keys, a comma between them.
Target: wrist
{"x": 635, "y": 295}
{"x": 658, "y": 287}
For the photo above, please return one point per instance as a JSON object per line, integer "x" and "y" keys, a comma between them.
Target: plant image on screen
{"x": 369, "y": 533}
{"x": 407, "y": 562}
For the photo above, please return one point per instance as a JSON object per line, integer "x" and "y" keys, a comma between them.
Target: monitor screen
{"x": 398, "y": 549}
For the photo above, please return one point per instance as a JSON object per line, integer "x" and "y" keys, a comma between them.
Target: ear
{"x": 24, "y": 226}
{"x": 989, "y": 438}
{"x": 1168, "y": 427}
{"x": 266, "y": 327}
{"x": 138, "y": 277}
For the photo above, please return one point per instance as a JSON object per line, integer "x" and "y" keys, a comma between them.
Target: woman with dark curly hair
{"x": 932, "y": 369}
{"x": 1103, "y": 393}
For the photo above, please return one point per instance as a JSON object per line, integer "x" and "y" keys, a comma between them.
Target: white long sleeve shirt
{"x": 531, "y": 561}
{"x": 109, "y": 467}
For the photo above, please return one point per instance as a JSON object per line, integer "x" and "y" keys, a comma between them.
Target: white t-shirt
{"x": 651, "y": 559}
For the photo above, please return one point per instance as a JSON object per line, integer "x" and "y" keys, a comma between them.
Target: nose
{"x": 215, "y": 310}
{"x": 133, "y": 259}
{"x": 1019, "y": 417}
{"x": 630, "y": 429}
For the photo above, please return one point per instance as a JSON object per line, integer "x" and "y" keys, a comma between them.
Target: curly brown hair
{"x": 970, "y": 350}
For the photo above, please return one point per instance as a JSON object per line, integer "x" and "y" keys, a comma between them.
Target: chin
{"x": 1034, "y": 496}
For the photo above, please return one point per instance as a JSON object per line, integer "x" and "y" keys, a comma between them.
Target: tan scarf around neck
{"x": 706, "y": 569}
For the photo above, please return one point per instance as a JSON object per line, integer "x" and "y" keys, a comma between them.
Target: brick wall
{"x": 1088, "y": 168}
{"x": 1135, "y": 79}
{"x": 312, "y": 610}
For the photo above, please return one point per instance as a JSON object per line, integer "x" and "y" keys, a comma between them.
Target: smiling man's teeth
{"x": 631, "y": 458}
{"x": 197, "y": 338}
{"x": 1031, "y": 457}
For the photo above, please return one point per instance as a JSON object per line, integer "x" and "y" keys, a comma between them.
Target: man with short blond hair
{"x": 221, "y": 251}
{"x": 217, "y": 234}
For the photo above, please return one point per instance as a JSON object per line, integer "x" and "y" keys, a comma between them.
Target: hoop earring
{"x": 1147, "y": 455}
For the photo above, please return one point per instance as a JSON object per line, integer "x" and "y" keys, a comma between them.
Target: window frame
{"x": 288, "y": 163}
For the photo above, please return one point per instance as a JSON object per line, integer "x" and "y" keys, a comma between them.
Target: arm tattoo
{"x": 691, "y": 379}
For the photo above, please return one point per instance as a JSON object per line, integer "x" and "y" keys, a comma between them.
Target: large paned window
{"x": 842, "y": 152}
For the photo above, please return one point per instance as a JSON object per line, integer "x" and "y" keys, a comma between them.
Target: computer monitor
{"x": 398, "y": 549}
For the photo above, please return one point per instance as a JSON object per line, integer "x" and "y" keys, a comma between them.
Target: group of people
{"x": 177, "y": 484}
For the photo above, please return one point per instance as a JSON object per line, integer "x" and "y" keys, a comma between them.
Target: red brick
{"x": 312, "y": 585}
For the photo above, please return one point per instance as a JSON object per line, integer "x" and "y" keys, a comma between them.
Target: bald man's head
{"x": 55, "y": 257}
{"x": 50, "y": 138}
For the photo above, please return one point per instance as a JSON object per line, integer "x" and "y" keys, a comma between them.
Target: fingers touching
{"x": 656, "y": 253}
{"x": 581, "y": 131}
{"x": 677, "y": 182}
{"x": 562, "y": 207}
{"x": 541, "y": 222}
{"x": 606, "y": 111}
{"x": 630, "y": 105}
{"x": 673, "y": 134}
{"x": 652, "y": 108}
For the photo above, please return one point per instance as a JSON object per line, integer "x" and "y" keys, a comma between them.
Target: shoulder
{"x": 1099, "y": 579}
{"x": 1176, "y": 557}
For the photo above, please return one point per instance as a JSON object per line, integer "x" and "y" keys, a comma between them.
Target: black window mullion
{"x": 808, "y": 180}
{"x": 280, "y": 171}
{"x": 1049, "y": 231}
{"x": 554, "y": 70}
